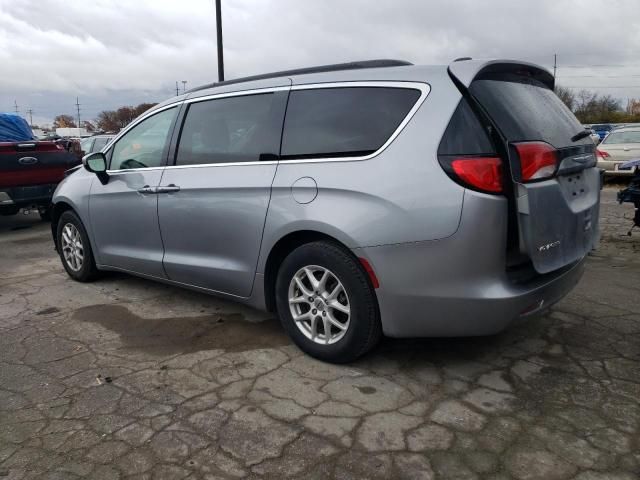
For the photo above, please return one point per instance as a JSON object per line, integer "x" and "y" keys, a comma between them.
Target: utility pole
{"x": 30, "y": 112}
{"x": 177, "y": 89}
{"x": 555, "y": 64}
{"x": 78, "y": 109}
{"x": 15, "y": 105}
{"x": 219, "y": 39}
{"x": 184, "y": 86}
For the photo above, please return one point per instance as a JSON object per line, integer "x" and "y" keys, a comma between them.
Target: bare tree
{"x": 566, "y": 95}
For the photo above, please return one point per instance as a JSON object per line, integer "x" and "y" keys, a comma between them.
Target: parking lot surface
{"x": 126, "y": 378}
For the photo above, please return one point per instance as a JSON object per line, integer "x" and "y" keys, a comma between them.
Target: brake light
{"x": 538, "y": 160}
{"x": 602, "y": 154}
{"x": 480, "y": 173}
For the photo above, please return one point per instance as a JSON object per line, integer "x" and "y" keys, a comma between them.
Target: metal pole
{"x": 15, "y": 104}
{"x": 177, "y": 89}
{"x": 555, "y": 64}
{"x": 78, "y": 108}
{"x": 184, "y": 86}
{"x": 30, "y": 112}
{"x": 219, "y": 40}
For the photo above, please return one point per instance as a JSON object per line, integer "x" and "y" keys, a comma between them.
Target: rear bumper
{"x": 458, "y": 286}
{"x": 27, "y": 195}
{"x": 610, "y": 171}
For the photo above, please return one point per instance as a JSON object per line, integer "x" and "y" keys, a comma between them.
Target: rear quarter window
{"x": 465, "y": 135}
{"x": 349, "y": 121}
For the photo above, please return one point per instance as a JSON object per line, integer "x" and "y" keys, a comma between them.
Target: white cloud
{"x": 100, "y": 49}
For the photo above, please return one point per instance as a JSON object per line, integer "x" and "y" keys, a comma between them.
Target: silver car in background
{"x": 618, "y": 147}
{"x": 354, "y": 200}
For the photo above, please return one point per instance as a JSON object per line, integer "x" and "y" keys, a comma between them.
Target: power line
{"x": 602, "y": 87}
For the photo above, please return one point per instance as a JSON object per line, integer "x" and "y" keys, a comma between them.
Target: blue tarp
{"x": 14, "y": 128}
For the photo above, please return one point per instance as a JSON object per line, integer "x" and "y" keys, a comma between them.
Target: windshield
{"x": 601, "y": 127}
{"x": 622, "y": 137}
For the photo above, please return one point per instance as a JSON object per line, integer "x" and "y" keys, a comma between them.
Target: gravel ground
{"x": 125, "y": 378}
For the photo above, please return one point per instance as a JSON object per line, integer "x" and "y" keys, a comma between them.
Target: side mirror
{"x": 97, "y": 163}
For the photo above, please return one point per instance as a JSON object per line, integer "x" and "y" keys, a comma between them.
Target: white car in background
{"x": 618, "y": 147}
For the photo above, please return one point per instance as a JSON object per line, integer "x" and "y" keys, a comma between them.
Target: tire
{"x": 45, "y": 213}
{"x": 83, "y": 271}
{"x": 8, "y": 211}
{"x": 362, "y": 328}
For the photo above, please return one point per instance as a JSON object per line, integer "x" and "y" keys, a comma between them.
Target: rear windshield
{"x": 622, "y": 137}
{"x": 526, "y": 109}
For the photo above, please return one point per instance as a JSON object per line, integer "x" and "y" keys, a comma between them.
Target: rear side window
{"x": 525, "y": 109}
{"x": 465, "y": 135}
{"x": 349, "y": 121}
{"x": 231, "y": 129}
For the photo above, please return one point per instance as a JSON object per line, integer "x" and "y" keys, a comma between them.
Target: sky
{"x": 109, "y": 53}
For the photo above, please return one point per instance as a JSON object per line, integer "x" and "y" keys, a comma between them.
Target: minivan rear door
{"x": 555, "y": 185}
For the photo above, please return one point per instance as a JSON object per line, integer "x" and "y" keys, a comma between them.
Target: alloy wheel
{"x": 72, "y": 248}
{"x": 319, "y": 304}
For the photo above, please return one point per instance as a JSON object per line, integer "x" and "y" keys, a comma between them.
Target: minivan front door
{"x": 214, "y": 200}
{"x": 124, "y": 211}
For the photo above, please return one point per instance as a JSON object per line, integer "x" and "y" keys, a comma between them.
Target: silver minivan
{"x": 354, "y": 200}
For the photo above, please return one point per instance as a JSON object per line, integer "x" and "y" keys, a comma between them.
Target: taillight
{"x": 479, "y": 173}
{"x": 538, "y": 160}
{"x": 602, "y": 154}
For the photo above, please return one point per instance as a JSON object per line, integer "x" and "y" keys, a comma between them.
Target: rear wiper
{"x": 580, "y": 135}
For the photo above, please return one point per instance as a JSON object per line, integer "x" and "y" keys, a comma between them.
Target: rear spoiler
{"x": 465, "y": 71}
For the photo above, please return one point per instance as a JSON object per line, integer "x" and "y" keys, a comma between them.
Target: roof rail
{"x": 302, "y": 71}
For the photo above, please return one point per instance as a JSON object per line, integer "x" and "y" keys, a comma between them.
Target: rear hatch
{"x": 549, "y": 171}
{"x": 33, "y": 163}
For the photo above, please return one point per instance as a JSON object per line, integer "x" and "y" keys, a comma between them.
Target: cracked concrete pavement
{"x": 126, "y": 378}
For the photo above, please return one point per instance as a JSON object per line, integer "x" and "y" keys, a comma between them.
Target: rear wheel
{"x": 75, "y": 249}
{"x": 326, "y": 303}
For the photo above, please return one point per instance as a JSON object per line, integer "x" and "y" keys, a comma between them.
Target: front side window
{"x": 343, "y": 121}
{"x": 231, "y": 129}
{"x": 100, "y": 143}
{"x": 144, "y": 145}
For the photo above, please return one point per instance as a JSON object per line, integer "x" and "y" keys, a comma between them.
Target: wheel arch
{"x": 282, "y": 248}
{"x": 57, "y": 210}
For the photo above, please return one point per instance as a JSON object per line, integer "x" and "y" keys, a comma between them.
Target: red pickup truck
{"x": 30, "y": 170}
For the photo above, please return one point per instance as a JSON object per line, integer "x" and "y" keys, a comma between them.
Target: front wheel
{"x": 74, "y": 248}
{"x": 326, "y": 303}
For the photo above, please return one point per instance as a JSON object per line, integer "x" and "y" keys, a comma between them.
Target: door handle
{"x": 147, "y": 189}
{"x": 168, "y": 188}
